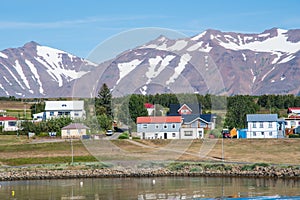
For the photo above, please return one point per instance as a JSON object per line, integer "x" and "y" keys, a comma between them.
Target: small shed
{"x": 74, "y": 130}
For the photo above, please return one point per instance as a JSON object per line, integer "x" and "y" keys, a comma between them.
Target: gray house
{"x": 161, "y": 127}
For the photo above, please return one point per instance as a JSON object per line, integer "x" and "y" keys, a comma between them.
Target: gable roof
{"x": 7, "y": 118}
{"x": 187, "y": 119}
{"x": 194, "y": 107}
{"x": 64, "y": 105}
{"x": 75, "y": 126}
{"x": 158, "y": 119}
{"x": 262, "y": 117}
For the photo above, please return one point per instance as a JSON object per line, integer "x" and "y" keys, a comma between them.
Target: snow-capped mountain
{"x": 211, "y": 62}
{"x": 39, "y": 71}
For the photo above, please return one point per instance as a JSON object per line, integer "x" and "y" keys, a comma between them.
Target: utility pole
{"x": 72, "y": 152}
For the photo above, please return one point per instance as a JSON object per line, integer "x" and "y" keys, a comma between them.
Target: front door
{"x": 165, "y": 136}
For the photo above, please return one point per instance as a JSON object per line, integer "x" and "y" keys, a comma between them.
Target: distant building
{"x": 9, "y": 123}
{"x": 293, "y": 120}
{"x": 72, "y": 109}
{"x": 293, "y": 111}
{"x": 150, "y": 108}
{"x": 265, "y": 126}
{"x": 74, "y": 130}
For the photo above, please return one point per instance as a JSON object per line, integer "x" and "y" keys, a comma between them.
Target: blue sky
{"x": 79, "y": 27}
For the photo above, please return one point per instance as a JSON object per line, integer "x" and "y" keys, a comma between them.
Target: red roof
{"x": 293, "y": 108}
{"x": 149, "y": 105}
{"x": 8, "y": 118}
{"x": 160, "y": 119}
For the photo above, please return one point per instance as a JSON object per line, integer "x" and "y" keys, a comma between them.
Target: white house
{"x": 265, "y": 126}
{"x": 9, "y": 123}
{"x": 74, "y": 130}
{"x": 72, "y": 109}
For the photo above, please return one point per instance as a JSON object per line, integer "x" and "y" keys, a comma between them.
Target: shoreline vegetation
{"x": 191, "y": 169}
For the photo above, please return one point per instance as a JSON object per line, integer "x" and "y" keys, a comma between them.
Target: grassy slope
{"x": 18, "y": 150}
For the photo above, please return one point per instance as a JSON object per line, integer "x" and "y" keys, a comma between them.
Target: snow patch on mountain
{"x": 126, "y": 68}
{"x": 3, "y": 55}
{"x": 287, "y": 59}
{"x": 274, "y": 44}
{"x": 4, "y": 77}
{"x": 154, "y": 70}
{"x": 197, "y": 37}
{"x": 185, "y": 58}
{"x": 179, "y": 45}
{"x": 19, "y": 69}
{"x": 36, "y": 75}
{"x": 1, "y": 87}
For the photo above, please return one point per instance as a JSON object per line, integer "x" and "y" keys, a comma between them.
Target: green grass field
{"x": 16, "y": 151}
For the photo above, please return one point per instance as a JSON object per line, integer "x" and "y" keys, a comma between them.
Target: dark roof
{"x": 75, "y": 126}
{"x": 262, "y": 117}
{"x": 196, "y": 108}
{"x": 208, "y": 117}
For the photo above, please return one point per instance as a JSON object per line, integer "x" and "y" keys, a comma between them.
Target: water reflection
{"x": 148, "y": 188}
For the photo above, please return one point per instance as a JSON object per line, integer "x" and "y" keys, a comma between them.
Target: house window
{"x": 200, "y": 134}
{"x": 12, "y": 123}
{"x": 254, "y": 124}
{"x": 261, "y": 125}
{"x": 76, "y": 114}
{"x": 174, "y": 134}
{"x": 270, "y": 124}
{"x": 262, "y": 133}
{"x": 144, "y": 125}
{"x": 156, "y": 135}
{"x": 51, "y": 113}
{"x": 165, "y": 126}
{"x": 188, "y": 133}
{"x": 68, "y": 131}
{"x": 156, "y": 126}
{"x": 173, "y": 125}
{"x": 254, "y": 133}
{"x": 270, "y": 133}
{"x": 79, "y": 131}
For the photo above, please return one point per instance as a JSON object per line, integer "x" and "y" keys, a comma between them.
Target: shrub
{"x": 294, "y": 136}
{"x": 123, "y": 136}
{"x": 177, "y": 166}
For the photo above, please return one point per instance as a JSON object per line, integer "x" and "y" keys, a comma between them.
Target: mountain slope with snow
{"x": 215, "y": 62}
{"x": 38, "y": 71}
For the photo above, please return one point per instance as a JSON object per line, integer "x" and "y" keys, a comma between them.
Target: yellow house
{"x": 74, "y": 130}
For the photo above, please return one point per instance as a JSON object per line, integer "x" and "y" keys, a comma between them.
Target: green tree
{"x": 105, "y": 122}
{"x": 103, "y": 101}
{"x": 136, "y": 107}
{"x": 237, "y": 109}
{"x": 37, "y": 108}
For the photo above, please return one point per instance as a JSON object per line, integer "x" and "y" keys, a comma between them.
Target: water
{"x": 152, "y": 188}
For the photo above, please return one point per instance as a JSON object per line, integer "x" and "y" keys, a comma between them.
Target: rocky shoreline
{"x": 182, "y": 170}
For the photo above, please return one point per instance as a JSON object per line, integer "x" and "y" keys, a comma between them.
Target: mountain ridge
{"x": 216, "y": 62}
